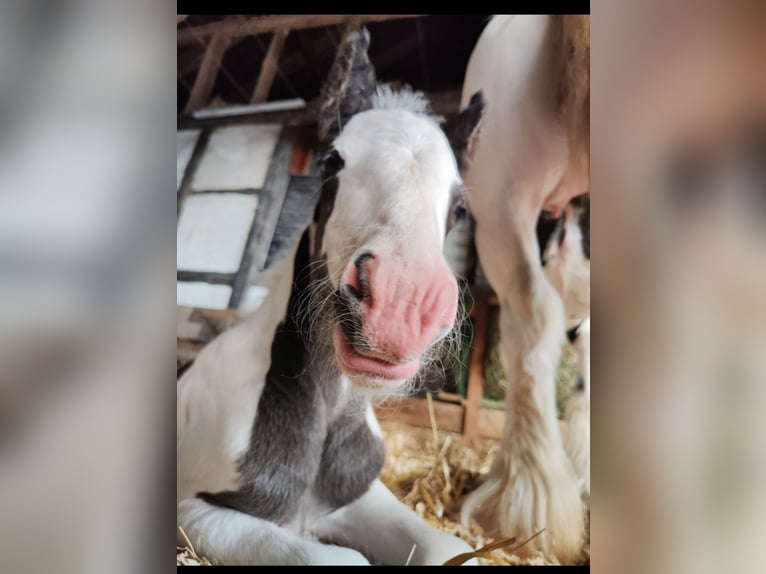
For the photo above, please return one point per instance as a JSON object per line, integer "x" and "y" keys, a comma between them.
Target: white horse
{"x": 278, "y": 446}
{"x": 532, "y": 156}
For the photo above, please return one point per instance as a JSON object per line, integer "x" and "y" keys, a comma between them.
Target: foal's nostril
{"x": 362, "y": 259}
{"x": 363, "y": 275}
{"x": 351, "y": 294}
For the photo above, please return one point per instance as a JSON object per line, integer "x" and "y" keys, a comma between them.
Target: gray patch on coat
{"x": 352, "y": 458}
{"x": 294, "y": 445}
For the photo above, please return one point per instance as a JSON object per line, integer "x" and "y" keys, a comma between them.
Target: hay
{"x": 434, "y": 478}
{"x": 432, "y": 473}
{"x": 187, "y": 556}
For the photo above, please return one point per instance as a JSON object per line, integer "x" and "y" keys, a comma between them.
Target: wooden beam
{"x": 414, "y": 411}
{"x": 208, "y": 70}
{"x": 269, "y": 66}
{"x": 237, "y": 27}
{"x": 444, "y": 103}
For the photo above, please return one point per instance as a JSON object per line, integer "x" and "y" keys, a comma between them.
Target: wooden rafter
{"x": 208, "y": 70}
{"x": 238, "y": 27}
{"x": 442, "y": 103}
{"x": 269, "y": 66}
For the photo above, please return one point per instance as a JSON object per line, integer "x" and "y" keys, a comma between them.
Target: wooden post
{"x": 476, "y": 372}
{"x": 208, "y": 70}
{"x": 269, "y": 66}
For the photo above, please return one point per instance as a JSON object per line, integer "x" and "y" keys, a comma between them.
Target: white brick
{"x": 236, "y": 157}
{"x": 197, "y": 294}
{"x": 212, "y": 231}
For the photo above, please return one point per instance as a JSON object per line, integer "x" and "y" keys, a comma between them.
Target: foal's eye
{"x": 459, "y": 212}
{"x": 332, "y": 162}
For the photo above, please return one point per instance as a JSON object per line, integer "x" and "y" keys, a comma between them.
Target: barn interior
{"x": 247, "y": 183}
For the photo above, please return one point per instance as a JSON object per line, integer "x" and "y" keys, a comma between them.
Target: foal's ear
{"x": 464, "y": 130}
{"x": 349, "y": 88}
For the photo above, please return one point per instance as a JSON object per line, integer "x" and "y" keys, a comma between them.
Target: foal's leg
{"x": 226, "y": 536}
{"x": 386, "y": 531}
{"x": 532, "y": 484}
{"x": 578, "y": 410}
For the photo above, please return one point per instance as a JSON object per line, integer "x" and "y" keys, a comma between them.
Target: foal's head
{"x": 391, "y": 185}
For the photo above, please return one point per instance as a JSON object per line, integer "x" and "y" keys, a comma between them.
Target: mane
{"x": 386, "y": 98}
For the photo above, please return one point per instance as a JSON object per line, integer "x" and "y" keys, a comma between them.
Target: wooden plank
{"x": 269, "y": 66}
{"x": 449, "y": 397}
{"x": 476, "y": 371}
{"x": 277, "y": 182}
{"x": 491, "y": 423}
{"x": 208, "y": 70}
{"x": 413, "y": 411}
{"x": 238, "y": 27}
{"x": 270, "y": 202}
{"x": 443, "y": 103}
{"x": 297, "y": 211}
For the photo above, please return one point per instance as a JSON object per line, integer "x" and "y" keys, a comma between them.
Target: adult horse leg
{"x": 578, "y": 410}
{"x": 532, "y": 484}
